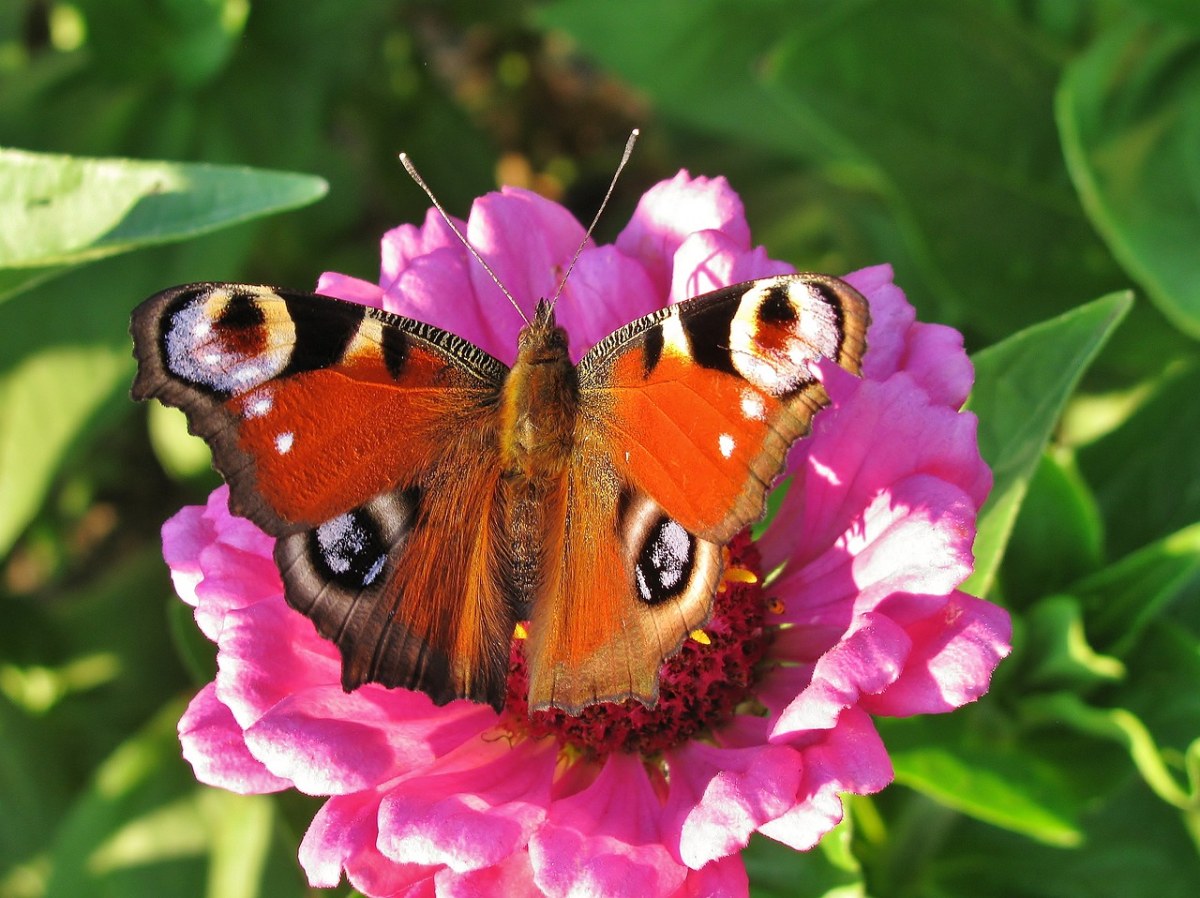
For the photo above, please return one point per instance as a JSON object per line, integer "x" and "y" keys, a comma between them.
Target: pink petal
{"x": 937, "y": 361}
{"x": 915, "y": 538}
{"x": 841, "y": 467}
{"x": 850, "y": 758}
{"x": 511, "y": 878}
{"x": 953, "y": 656}
{"x": 184, "y": 535}
{"x": 438, "y": 289}
{"x": 405, "y": 243}
{"x": 606, "y": 839}
{"x": 723, "y": 878}
{"x": 472, "y": 808}
{"x": 232, "y": 530}
{"x": 215, "y": 747}
{"x": 329, "y": 742}
{"x": 267, "y": 653}
{"x": 606, "y": 291}
{"x": 719, "y": 796}
{"x": 527, "y": 239}
{"x": 671, "y": 210}
{"x": 891, "y": 317}
{"x": 932, "y": 354}
{"x": 351, "y": 289}
{"x": 342, "y": 836}
{"x": 708, "y": 260}
{"x": 869, "y": 658}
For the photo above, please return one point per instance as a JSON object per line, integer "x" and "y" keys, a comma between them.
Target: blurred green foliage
{"x": 1020, "y": 162}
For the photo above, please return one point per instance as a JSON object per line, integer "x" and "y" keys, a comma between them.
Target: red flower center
{"x": 698, "y": 687}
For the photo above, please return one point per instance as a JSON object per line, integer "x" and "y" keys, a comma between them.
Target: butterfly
{"x": 426, "y": 498}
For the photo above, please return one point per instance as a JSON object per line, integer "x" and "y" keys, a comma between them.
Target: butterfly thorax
{"x": 538, "y": 402}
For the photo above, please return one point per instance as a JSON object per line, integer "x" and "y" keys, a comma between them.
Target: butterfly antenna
{"x": 415, "y": 175}
{"x": 633, "y": 136}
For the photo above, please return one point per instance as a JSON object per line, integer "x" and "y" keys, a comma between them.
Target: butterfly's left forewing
{"x": 685, "y": 420}
{"x": 366, "y": 443}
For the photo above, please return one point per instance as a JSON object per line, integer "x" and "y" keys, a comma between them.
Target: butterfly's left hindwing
{"x": 361, "y": 439}
{"x": 685, "y": 420}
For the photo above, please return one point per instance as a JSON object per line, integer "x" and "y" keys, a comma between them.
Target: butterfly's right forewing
{"x": 367, "y": 444}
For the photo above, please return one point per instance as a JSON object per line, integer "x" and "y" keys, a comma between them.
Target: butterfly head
{"x": 542, "y": 341}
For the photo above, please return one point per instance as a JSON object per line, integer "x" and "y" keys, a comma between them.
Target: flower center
{"x": 698, "y": 687}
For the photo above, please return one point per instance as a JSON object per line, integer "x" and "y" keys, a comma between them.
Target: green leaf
{"x": 1021, "y": 386}
{"x": 1134, "y": 848}
{"x": 144, "y": 828}
{"x": 1056, "y": 653}
{"x": 875, "y": 94}
{"x": 1058, "y": 535}
{"x": 828, "y": 871}
{"x": 952, "y": 760}
{"x": 1115, "y": 725}
{"x": 1121, "y": 599}
{"x": 57, "y": 212}
{"x": 1129, "y": 114}
{"x": 1146, "y": 473}
{"x": 46, "y": 399}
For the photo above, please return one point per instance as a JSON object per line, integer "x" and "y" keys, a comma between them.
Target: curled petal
{"x": 708, "y": 260}
{"x": 606, "y": 290}
{"x": 888, "y": 431}
{"x": 215, "y": 747}
{"x": 722, "y": 878}
{"x": 868, "y": 659}
{"x": 850, "y": 758}
{"x": 329, "y": 742}
{"x": 342, "y": 837}
{"x": 951, "y": 663}
{"x": 351, "y": 289}
{"x": 528, "y": 241}
{"x": 406, "y": 243}
{"x": 670, "y": 211}
{"x": 472, "y": 808}
{"x": 932, "y": 354}
{"x": 606, "y": 839}
{"x": 511, "y": 877}
{"x": 268, "y": 653}
{"x": 719, "y": 796}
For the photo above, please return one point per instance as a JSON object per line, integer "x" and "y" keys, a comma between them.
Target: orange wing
{"x": 685, "y": 419}
{"x": 367, "y": 443}
{"x": 704, "y": 398}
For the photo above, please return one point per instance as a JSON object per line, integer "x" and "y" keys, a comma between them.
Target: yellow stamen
{"x": 701, "y": 637}
{"x": 741, "y": 575}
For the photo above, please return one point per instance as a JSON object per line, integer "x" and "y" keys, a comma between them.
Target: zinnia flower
{"x": 760, "y": 726}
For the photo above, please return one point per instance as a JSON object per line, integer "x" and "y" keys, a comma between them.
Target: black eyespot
{"x": 776, "y": 307}
{"x": 240, "y": 313}
{"x": 664, "y": 565}
{"x": 349, "y": 550}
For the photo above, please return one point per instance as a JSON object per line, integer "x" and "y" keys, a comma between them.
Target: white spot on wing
{"x": 283, "y": 442}
{"x": 752, "y": 406}
{"x": 258, "y": 404}
{"x": 726, "y": 444}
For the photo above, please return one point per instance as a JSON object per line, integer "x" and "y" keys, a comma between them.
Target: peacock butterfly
{"x": 426, "y": 498}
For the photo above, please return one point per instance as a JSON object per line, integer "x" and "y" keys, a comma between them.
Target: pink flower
{"x": 760, "y": 731}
